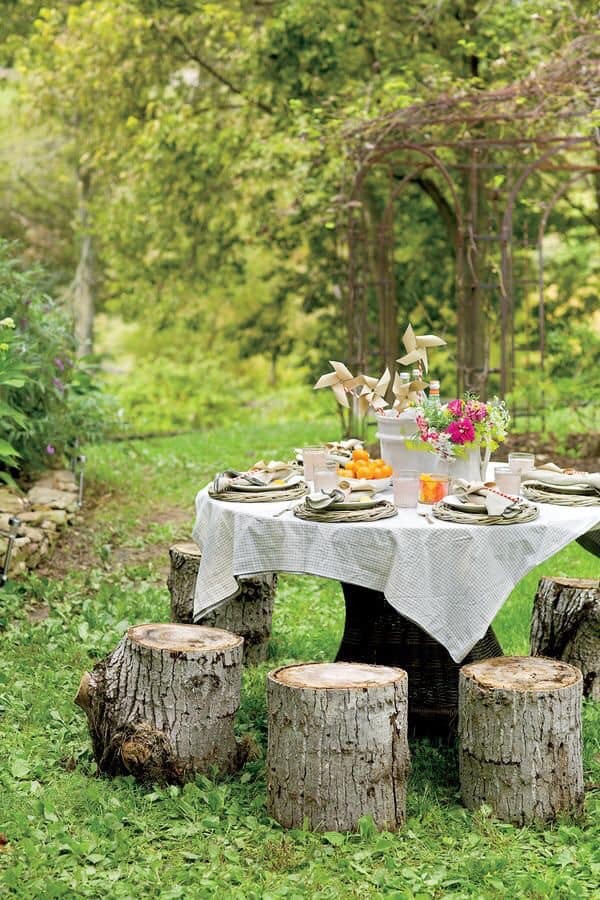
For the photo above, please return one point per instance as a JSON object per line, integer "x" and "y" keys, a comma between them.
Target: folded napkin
{"x": 496, "y": 504}
{"x": 550, "y": 476}
{"x": 343, "y": 493}
{"x": 261, "y": 475}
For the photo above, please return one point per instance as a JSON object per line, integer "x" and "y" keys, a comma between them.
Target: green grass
{"x": 72, "y": 834}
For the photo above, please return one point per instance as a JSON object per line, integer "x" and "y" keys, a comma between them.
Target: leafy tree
{"x": 208, "y": 137}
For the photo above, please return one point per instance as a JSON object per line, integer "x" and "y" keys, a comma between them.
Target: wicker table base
{"x": 375, "y": 633}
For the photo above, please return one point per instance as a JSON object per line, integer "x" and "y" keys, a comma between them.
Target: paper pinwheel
{"x": 373, "y": 393}
{"x": 406, "y": 393}
{"x": 416, "y": 347}
{"x": 341, "y": 381}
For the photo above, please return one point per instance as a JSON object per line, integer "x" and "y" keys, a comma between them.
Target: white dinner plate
{"x": 473, "y": 504}
{"x": 576, "y": 488}
{"x": 378, "y": 484}
{"x": 278, "y": 484}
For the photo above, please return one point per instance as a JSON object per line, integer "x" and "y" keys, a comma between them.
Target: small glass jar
{"x": 312, "y": 457}
{"x": 508, "y": 481}
{"x": 325, "y": 475}
{"x": 405, "y": 485}
{"x": 521, "y": 462}
{"x": 432, "y": 487}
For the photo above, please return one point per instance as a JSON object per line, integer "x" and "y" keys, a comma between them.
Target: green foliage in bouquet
{"x": 451, "y": 428}
{"x": 48, "y": 400}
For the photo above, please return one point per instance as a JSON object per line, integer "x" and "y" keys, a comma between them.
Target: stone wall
{"x": 44, "y": 510}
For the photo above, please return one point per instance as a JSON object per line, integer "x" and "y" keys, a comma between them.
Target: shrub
{"x": 49, "y": 401}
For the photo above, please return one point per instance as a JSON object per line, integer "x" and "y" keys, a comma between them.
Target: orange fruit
{"x": 360, "y": 454}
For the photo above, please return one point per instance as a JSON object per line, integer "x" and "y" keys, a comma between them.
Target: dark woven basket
{"x": 376, "y": 633}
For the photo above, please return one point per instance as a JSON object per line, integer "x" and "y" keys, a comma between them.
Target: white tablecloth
{"x": 450, "y": 579}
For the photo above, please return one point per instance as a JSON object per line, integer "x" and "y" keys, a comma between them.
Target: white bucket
{"x": 394, "y": 432}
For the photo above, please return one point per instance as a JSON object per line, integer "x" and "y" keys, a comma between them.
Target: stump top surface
{"x": 585, "y": 584}
{"x": 186, "y": 548}
{"x": 336, "y": 676}
{"x": 522, "y": 673}
{"x": 183, "y": 638}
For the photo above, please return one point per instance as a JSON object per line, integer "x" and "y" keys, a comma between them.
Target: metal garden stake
{"x": 13, "y": 523}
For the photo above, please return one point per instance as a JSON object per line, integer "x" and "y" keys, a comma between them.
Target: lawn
{"x": 68, "y": 833}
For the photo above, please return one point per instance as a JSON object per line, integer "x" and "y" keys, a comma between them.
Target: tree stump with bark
{"x": 520, "y": 747}
{"x": 162, "y": 705}
{"x": 249, "y": 613}
{"x": 566, "y": 625}
{"x": 337, "y": 746}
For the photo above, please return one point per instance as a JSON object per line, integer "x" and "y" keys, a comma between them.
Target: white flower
{"x": 8, "y": 322}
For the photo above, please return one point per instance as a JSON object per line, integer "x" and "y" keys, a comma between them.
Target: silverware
{"x": 285, "y": 509}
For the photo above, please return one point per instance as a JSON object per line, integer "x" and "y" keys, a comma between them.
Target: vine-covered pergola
{"x": 472, "y": 154}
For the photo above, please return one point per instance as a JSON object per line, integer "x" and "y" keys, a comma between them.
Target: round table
{"x": 419, "y": 596}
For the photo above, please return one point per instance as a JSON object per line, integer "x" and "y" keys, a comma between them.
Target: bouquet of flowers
{"x": 452, "y": 428}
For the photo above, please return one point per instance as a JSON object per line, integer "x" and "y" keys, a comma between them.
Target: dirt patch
{"x": 80, "y": 547}
{"x": 581, "y": 451}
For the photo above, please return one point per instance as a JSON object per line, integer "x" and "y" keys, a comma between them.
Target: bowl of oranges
{"x": 362, "y": 468}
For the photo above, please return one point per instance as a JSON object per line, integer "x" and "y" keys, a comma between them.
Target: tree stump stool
{"x": 337, "y": 747}
{"x": 520, "y": 747}
{"x": 161, "y": 706}
{"x": 249, "y": 613}
{"x": 566, "y": 625}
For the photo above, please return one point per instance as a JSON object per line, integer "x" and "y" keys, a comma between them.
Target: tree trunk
{"x": 520, "y": 748}
{"x": 566, "y": 625}
{"x": 83, "y": 284}
{"x": 161, "y": 706}
{"x": 249, "y": 614}
{"x": 472, "y": 362}
{"x": 337, "y": 746}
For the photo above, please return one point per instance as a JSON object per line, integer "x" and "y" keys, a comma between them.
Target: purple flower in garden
{"x": 59, "y": 363}
{"x": 58, "y": 385}
{"x": 461, "y": 432}
{"x": 456, "y": 407}
{"x": 50, "y": 449}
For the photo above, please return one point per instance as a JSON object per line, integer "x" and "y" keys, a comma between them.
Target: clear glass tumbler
{"x": 508, "y": 481}
{"x": 325, "y": 475}
{"x": 521, "y": 462}
{"x": 312, "y": 457}
{"x": 405, "y": 485}
{"x": 432, "y": 487}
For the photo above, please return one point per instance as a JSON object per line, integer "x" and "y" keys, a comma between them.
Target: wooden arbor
{"x": 473, "y": 155}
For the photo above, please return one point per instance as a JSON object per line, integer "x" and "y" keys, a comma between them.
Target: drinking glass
{"x": 432, "y": 487}
{"x": 406, "y": 488}
{"x": 312, "y": 457}
{"x": 507, "y": 480}
{"x": 325, "y": 475}
{"x": 521, "y": 462}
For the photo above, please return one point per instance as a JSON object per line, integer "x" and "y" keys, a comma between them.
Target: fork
{"x": 287, "y": 508}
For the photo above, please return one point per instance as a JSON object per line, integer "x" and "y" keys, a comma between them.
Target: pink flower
{"x": 456, "y": 407}
{"x": 461, "y": 432}
{"x": 475, "y": 411}
{"x": 50, "y": 449}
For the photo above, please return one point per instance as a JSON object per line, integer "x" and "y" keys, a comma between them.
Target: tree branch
{"x": 217, "y": 75}
{"x": 434, "y": 193}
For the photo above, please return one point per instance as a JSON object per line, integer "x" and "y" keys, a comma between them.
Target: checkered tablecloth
{"x": 450, "y": 579}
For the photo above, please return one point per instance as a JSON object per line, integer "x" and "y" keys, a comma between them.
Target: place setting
{"x": 344, "y": 487}
{"x": 272, "y": 482}
{"x": 478, "y": 503}
{"x": 562, "y": 487}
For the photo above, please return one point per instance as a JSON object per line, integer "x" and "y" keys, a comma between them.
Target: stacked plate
{"x": 472, "y": 510}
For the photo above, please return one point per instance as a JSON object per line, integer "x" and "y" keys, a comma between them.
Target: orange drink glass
{"x": 432, "y": 488}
